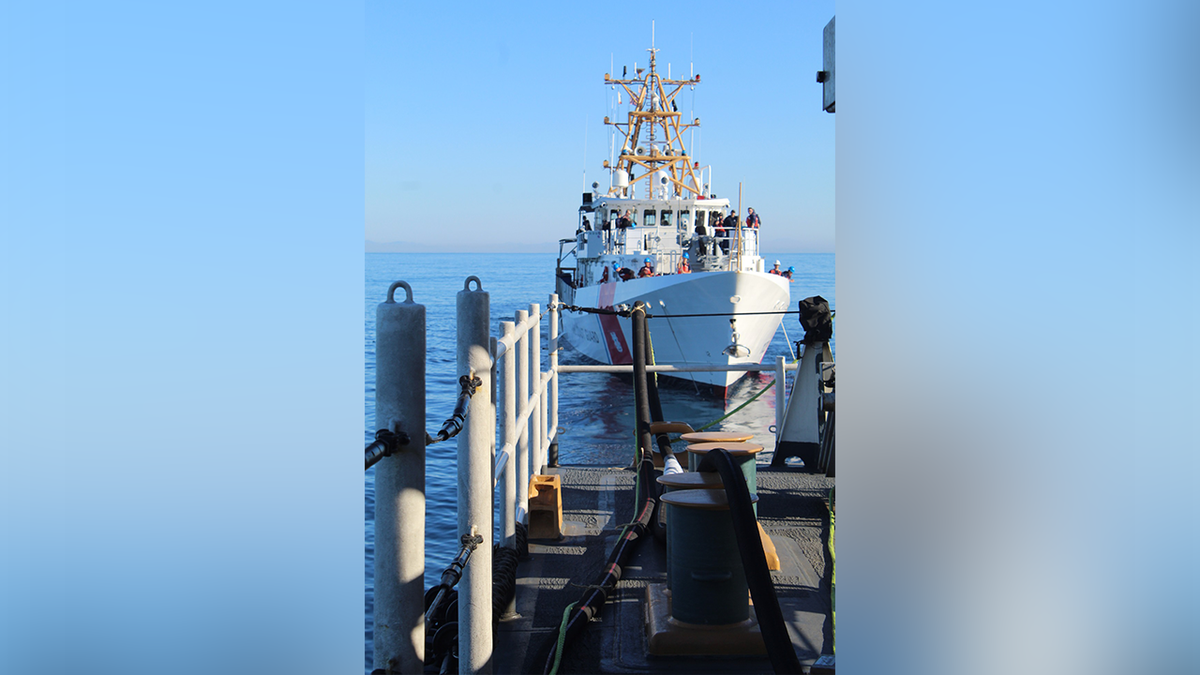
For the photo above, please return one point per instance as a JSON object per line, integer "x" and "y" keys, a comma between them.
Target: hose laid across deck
{"x": 646, "y": 501}
{"x": 597, "y": 594}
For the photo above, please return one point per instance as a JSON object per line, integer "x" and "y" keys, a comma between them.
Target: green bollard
{"x": 705, "y": 574}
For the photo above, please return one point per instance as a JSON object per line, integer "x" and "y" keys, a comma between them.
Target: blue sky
{"x": 478, "y": 122}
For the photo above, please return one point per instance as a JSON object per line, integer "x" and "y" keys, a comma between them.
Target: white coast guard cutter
{"x": 726, "y": 310}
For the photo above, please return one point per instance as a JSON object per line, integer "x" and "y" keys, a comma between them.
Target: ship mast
{"x": 653, "y": 106}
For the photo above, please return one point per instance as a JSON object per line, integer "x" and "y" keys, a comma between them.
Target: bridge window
{"x": 666, "y": 218}
{"x": 648, "y": 218}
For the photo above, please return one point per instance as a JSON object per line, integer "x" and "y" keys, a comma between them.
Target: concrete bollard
{"x": 400, "y": 485}
{"x": 475, "y": 482}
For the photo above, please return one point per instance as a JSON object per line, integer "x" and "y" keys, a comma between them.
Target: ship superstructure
{"x": 713, "y": 303}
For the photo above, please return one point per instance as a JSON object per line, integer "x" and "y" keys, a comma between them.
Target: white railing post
{"x": 508, "y": 435}
{"x": 400, "y": 486}
{"x": 537, "y": 430}
{"x": 475, "y": 483}
{"x": 780, "y": 394}
{"x": 554, "y": 371}
{"x": 521, "y": 347}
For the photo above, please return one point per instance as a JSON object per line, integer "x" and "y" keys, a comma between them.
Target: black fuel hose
{"x": 593, "y": 600}
{"x": 754, "y": 561}
{"x": 655, "y": 414}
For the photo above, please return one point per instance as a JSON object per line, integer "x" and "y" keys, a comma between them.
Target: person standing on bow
{"x": 775, "y": 269}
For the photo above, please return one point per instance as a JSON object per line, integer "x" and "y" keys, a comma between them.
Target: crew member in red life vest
{"x": 775, "y": 269}
{"x": 752, "y": 219}
{"x": 719, "y": 232}
{"x": 647, "y": 270}
{"x": 683, "y": 267}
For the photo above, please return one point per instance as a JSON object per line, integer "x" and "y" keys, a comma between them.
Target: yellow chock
{"x": 545, "y": 507}
{"x": 769, "y": 550}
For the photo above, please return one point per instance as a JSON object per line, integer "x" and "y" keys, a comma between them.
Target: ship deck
{"x": 597, "y": 502}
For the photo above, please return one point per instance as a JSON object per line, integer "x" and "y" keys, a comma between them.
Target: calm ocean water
{"x": 595, "y": 409}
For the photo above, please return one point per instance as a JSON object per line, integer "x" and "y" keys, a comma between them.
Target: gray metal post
{"x": 554, "y": 372}
{"x": 400, "y": 485}
{"x": 780, "y": 394}
{"x": 475, "y": 483}
{"x": 536, "y": 429}
{"x": 508, "y": 407}
{"x": 522, "y": 357}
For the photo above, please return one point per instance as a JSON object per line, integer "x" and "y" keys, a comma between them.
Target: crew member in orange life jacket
{"x": 775, "y": 269}
{"x": 647, "y": 270}
{"x": 683, "y": 267}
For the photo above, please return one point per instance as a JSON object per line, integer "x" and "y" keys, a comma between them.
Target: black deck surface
{"x": 597, "y": 502}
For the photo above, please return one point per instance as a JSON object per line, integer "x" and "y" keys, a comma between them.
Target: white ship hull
{"x": 679, "y": 339}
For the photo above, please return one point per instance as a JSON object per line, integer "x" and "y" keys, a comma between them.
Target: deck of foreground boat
{"x": 597, "y": 502}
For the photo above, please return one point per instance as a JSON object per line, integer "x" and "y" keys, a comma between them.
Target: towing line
{"x": 388, "y": 443}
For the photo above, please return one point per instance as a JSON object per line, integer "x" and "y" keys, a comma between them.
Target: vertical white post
{"x": 544, "y": 442}
{"x": 522, "y": 357}
{"x": 508, "y": 436}
{"x": 780, "y": 395}
{"x": 475, "y": 483}
{"x": 554, "y": 368}
{"x": 400, "y": 486}
{"x": 537, "y": 430}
